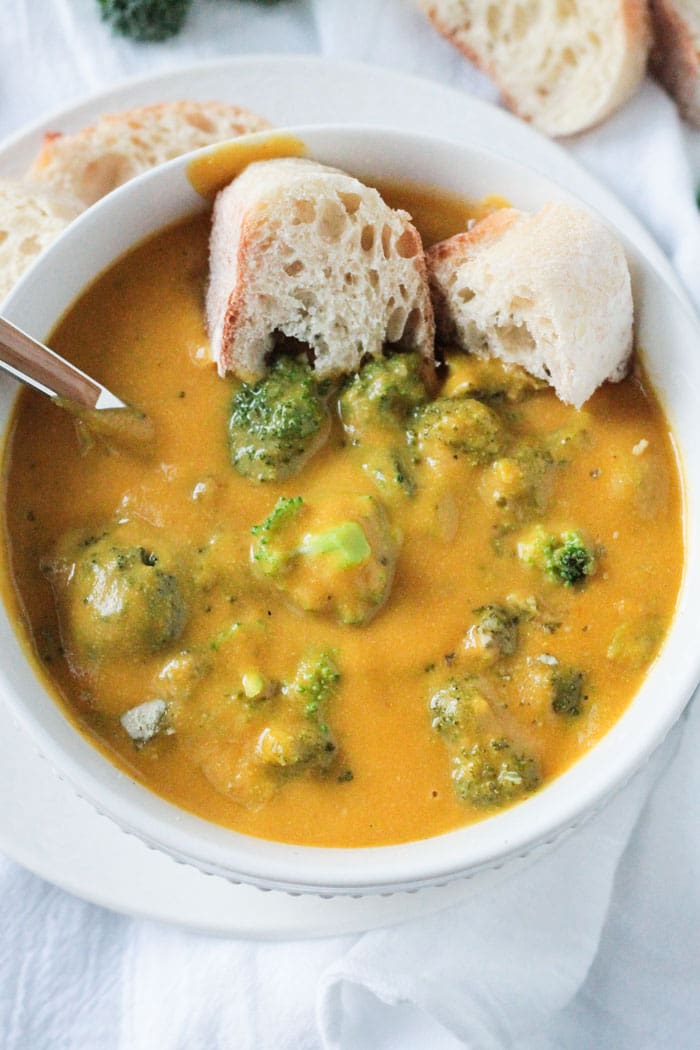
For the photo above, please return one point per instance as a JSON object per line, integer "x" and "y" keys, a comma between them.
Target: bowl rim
{"x": 543, "y": 818}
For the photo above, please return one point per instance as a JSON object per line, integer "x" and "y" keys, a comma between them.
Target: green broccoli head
{"x": 115, "y": 599}
{"x": 382, "y": 394}
{"x": 496, "y": 630}
{"x": 335, "y": 557}
{"x": 148, "y": 20}
{"x": 461, "y": 427}
{"x": 298, "y": 735}
{"x": 566, "y": 559}
{"x": 493, "y": 774}
{"x": 567, "y": 691}
{"x": 278, "y": 423}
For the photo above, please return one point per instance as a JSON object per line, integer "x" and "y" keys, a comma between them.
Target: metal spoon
{"x": 34, "y": 364}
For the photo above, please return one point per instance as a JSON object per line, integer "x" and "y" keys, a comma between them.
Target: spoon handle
{"x": 34, "y": 364}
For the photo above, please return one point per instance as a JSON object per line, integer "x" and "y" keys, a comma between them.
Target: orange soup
{"x": 339, "y": 615}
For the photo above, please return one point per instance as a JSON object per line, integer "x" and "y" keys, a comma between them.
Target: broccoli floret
{"x": 150, "y": 20}
{"x": 567, "y": 559}
{"x": 336, "y": 557}
{"x": 463, "y": 427}
{"x": 116, "y": 600}
{"x": 570, "y": 561}
{"x": 300, "y": 736}
{"x": 487, "y": 378}
{"x": 492, "y": 774}
{"x": 270, "y": 553}
{"x": 383, "y": 393}
{"x": 496, "y": 630}
{"x": 451, "y": 708}
{"x": 567, "y": 691}
{"x": 278, "y": 423}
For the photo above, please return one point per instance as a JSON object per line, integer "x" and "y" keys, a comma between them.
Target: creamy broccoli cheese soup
{"x": 336, "y": 614}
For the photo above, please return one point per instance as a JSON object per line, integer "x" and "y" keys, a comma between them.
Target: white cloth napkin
{"x": 595, "y": 945}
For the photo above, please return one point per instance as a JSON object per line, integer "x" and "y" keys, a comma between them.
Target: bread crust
{"x": 675, "y": 57}
{"x": 92, "y": 162}
{"x": 619, "y": 79}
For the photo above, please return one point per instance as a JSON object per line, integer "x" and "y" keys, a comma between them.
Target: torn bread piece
{"x": 549, "y": 291}
{"x": 305, "y": 251}
{"x": 675, "y": 56}
{"x": 565, "y": 65}
{"x": 92, "y": 162}
{"x": 30, "y": 218}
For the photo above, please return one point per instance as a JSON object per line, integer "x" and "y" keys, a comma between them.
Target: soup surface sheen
{"x": 480, "y": 677}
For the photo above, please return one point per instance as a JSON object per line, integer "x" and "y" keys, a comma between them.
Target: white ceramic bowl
{"x": 670, "y": 338}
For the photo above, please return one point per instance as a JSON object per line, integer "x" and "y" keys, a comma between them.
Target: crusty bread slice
{"x": 91, "y": 162}
{"x": 30, "y": 218}
{"x": 562, "y": 64}
{"x": 308, "y": 252}
{"x": 675, "y": 56}
{"x": 549, "y": 291}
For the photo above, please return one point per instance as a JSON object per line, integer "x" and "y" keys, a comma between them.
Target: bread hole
{"x": 520, "y": 302}
{"x": 306, "y": 297}
{"x": 408, "y": 245}
{"x": 350, "y": 278}
{"x": 102, "y": 176}
{"x": 569, "y": 57}
{"x": 593, "y": 38}
{"x": 515, "y": 338}
{"x": 566, "y": 9}
{"x": 304, "y": 212}
{"x": 294, "y": 268}
{"x": 200, "y": 120}
{"x": 30, "y": 245}
{"x": 523, "y": 17}
{"x": 3, "y": 236}
{"x": 493, "y": 19}
{"x": 373, "y": 278}
{"x": 350, "y": 201}
{"x": 395, "y": 325}
{"x": 403, "y": 291}
{"x": 367, "y": 238}
{"x": 411, "y": 327}
{"x": 331, "y": 220}
{"x": 386, "y": 241}
{"x": 327, "y": 272}
{"x": 465, "y": 295}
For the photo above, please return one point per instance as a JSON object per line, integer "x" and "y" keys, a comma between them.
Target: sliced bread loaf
{"x": 308, "y": 252}
{"x": 30, "y": 218}
{"x": 91, "y": 162}
{"x": 675, "y": 57}
{"x": 562, "y": 64}
{"x": 549, "y": 291}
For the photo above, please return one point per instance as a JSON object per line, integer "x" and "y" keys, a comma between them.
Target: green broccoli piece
{"x": 383, "y": 393}
{"x": 299, "y": 736}
{"x": 452, "y": 708}
{"x": 269, "y": 555}
{"x": 462, "y": 426}
{"x": 116, "y": 600}
{"x": 567, "y": 559}
{"x": 336, "y": 557}
{"x": 497, "y": 629}
{"x": 278, "y": 423}
{"x": 146, "y": 20}
{"x": 492, "y": 774}
{"x": 567, "y": 691}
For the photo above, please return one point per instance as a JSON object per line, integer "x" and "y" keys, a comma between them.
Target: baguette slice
{"x": 308, "y": 252}
{"x": 97, "y": 159}
{"x": 675, "y": 56}
{"x": 562, "y": 64}
{"x": 550, "y": 292}
{"x": 30, "y": 218}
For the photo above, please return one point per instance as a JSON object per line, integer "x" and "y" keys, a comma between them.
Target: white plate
{"x": 43, "y": 825}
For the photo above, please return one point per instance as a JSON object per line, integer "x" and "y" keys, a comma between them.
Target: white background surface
{"x": 582, "y": 952}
